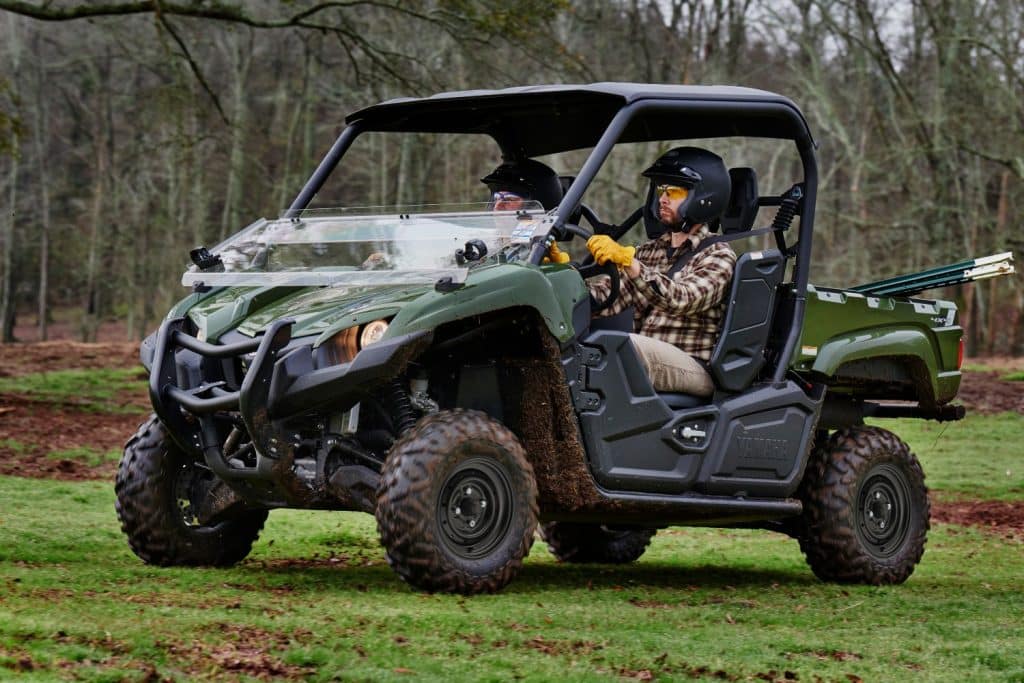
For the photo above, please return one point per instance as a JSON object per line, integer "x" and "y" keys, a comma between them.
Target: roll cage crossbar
{"x": 645, "y": 113}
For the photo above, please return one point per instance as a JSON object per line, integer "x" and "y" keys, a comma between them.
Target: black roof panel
{"x": 544, "y": 119}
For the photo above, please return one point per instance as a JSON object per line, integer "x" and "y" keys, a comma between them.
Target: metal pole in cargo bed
{"x": 943, "y": 276}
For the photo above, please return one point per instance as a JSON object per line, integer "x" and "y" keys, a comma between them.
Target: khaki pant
{"x": 672, "y": 369}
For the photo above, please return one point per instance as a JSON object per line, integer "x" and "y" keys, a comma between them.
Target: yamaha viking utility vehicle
{"x": 428, "y": 367}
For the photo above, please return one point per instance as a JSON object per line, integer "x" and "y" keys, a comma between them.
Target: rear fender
{"x": 913, "y": 345}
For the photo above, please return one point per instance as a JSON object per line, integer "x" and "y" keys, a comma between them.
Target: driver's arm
{"x": 705, "y": 283}
{"x": 600, "y": 289}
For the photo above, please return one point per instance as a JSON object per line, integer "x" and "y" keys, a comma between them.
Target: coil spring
{"x": 403, "y": 417}
{"x": 784, "y": 216}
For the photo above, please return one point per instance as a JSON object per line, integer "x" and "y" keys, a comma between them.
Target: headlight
{"x": 372, "y": 333}
{"x": 343, "y": 346}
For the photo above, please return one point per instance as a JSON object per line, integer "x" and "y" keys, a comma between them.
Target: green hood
{"x": 552, "y": 290}
{"x": 314, "y": 309}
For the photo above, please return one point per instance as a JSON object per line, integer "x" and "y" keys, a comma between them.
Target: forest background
{"x": 131, "y": 131}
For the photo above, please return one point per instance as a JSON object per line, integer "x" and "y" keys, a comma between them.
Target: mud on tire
{"x": 153, "y": 487}
{"x": 866, "y": 509}
{"x": 598, "y": 543}
{"x": 457, "y": 504}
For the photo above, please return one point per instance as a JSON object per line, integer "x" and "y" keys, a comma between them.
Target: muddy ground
{"x": 30, "y": 431}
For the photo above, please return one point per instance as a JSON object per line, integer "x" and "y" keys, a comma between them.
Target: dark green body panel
{"x": 843, "y": 326}
{"x": 840, "y": 325}
{"x": 552, "y": 291}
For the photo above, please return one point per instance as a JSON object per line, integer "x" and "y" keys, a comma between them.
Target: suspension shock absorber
{"x": 788, "y": 209}
{"x": 402, "y": 414}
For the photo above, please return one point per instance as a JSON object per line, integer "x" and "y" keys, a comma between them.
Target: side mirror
{"x": 206, "y": 261}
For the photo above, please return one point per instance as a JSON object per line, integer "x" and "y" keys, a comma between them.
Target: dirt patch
{"x": 561, "y": 647}
{"x": 240, "y": 651}
{"x": 30, "y": 432}
{"x": 986, "y": 394}
{"x": 1001, "y": 517}
{"x": 24, "y": 359}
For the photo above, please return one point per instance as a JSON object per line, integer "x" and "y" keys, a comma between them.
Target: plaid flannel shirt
{"x": 686, "y": 309}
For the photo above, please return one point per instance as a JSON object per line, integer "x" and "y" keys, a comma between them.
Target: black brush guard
{"x": 280, "y": 384}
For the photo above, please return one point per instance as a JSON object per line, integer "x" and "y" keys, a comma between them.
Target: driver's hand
{"x": 555, "y": 255}
{"x": 605, "y": 249}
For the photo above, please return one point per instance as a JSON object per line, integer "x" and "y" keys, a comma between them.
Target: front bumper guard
{"x": 280, "y": 384}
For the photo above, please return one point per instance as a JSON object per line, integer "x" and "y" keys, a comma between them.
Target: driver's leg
{"x": 672, "y": 369}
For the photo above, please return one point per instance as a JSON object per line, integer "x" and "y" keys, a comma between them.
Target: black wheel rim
{"x": 884, "y": 511}
{"x": 474, "y": 509}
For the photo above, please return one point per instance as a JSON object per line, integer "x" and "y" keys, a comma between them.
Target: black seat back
{"x": 739, "y": 354}
{"x": 742, "y": 209}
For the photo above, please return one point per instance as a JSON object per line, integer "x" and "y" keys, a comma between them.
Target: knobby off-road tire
{"x": 866, "y": 508}
{"x": 595, "y": 542}
{"x": 154, "y": 483}
{"x": 457, "y": 504}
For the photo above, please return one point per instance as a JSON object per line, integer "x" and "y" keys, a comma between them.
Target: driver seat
{"x": 739, "y": 353}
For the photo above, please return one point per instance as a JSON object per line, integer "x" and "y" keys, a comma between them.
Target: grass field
{"x": 316, "y": 600}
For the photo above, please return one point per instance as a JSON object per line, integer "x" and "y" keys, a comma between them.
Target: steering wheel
{"x": 591, "y": 269}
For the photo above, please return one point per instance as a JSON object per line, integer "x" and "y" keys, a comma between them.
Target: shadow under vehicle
{"x": 427, "y": 367}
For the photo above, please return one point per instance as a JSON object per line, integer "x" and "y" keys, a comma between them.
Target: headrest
{"x": 742, "y": 209}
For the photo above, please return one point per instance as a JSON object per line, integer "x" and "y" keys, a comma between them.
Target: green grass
{"x": 104, "y": 390}
{"x": 77, "y": 602}
{"x": 13, "y": 445}
{"x": 90, "y": 456}
{"x": 1015, "y": 376}
{"x": 316, "y": 599}
{"x": 979, "y": 457}
{"x": 317, "y": 595}
{"x": 978, "y": 367}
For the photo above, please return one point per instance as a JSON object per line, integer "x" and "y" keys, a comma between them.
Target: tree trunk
{"x": 241, "y": 59}
{"x": 94, "y": 303}
{"x": 7, "y": 303}
{"x": 7, "y": 238}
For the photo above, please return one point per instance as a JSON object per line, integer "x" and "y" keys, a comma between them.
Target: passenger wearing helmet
{"x": 676, "y": 283}
{"x": 514, "y": 182}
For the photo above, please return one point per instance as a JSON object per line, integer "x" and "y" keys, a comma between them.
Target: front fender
{"x": 553, "y": 291}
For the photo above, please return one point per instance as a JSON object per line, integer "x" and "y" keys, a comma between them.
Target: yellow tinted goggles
{"x": 674, "y": 192}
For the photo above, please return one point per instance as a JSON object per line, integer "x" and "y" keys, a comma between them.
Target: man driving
{"x": 676, "y": 288}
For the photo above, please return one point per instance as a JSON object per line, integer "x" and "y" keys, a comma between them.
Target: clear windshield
{"x": 375, "y": 246}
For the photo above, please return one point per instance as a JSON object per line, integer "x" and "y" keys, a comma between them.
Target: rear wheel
{"x": 159, "y": 492}
{"x": 866, "y": 508}
{"x": 457, "y": 505}
{"x": 596, "y": 543}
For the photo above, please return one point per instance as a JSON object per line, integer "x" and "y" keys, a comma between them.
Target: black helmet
{"x": 529, "y": 179}
{"x": 703, "y": 173}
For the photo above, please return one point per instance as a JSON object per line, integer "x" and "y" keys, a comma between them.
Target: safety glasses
{"x": 503, "y": 196}
{"x": 674, "y": 192}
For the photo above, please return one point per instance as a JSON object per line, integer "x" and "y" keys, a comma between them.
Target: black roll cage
{"x": 632, "y": 113}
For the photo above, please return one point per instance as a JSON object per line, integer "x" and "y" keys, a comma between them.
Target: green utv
{"x": 428, "y": 367}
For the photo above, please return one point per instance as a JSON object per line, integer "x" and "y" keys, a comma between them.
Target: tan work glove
{"x": 555, "y": 255}
{"x": 605, "y": 249}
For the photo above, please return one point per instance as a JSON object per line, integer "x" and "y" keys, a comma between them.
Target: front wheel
{"x": 866, "y": 508}
{"x": 159, "y": 490}
{"x": 457, "y": 504}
